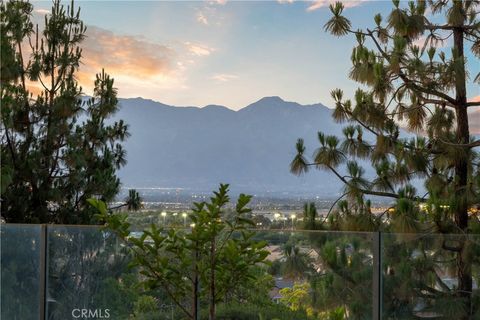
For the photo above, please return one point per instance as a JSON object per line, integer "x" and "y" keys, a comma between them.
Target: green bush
{"x": 238, "y": 311}
{"x": 146, "y": 308}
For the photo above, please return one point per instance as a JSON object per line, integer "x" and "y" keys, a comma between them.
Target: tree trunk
{"x": 461, "y": 175}
{"x": 212, "y": 280}
{"x": 196, "y": 285}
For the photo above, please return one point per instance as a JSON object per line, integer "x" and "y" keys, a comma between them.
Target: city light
{"x": 184, "y": 215}
{"x": 164, "y": 215}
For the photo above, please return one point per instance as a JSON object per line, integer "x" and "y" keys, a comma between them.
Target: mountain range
{"x": 198, "y": 148}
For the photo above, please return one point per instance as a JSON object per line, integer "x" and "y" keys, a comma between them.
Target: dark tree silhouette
{"x": 58, "y": 147}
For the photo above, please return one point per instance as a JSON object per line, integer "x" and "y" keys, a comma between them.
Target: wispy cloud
{"x": 41, "y": 11}
{"x": 202, "y": 18}
{"x": 223, "y": 77}
{"x": 198, "y": 49}
{"x": 209, "y": 15}
{"x": 285, "y": 1}
{"x": 318, "y": 4}
{"x": 220, "y": 2}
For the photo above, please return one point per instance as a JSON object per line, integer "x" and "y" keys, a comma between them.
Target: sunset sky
{"x": 221, "y": 52}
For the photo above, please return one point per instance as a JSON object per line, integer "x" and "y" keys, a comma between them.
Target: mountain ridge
{"x": 199, "y": 147}
{"x": 259, "y": 103}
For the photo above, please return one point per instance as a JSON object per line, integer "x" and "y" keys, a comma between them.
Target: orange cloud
{"x": 139, "y": 67}
{"x": 126, "y": 55}
{"x": 133, "y": 62}
{"x": 475, "y": 99}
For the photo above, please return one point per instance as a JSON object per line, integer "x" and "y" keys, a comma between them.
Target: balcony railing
{"x": 70, "y": 272}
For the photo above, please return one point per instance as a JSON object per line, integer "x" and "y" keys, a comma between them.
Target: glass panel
{"x": 20, "y": 265}
{"x": 310, "y": 275}
{"x": 87, "y": 274}
{"x": 421, "y": 277}
{"x": 319, "y": 275}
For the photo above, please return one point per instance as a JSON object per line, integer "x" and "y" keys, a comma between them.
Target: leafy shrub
{"x": 238, "y": 311}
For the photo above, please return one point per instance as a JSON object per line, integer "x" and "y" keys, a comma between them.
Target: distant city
{"x": 268, "y": 203}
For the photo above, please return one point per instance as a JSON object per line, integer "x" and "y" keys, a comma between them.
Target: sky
{"x": 229, "y": 53}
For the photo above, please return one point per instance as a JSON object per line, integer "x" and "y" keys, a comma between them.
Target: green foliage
{"x": 338, "y": 25}
{"x": 346, "y": 277}
{"x": 297, "y": 264}
{"x": 310, "y": 217}
{"x": 57, "y": 147}
{"x": 297, "y": 298}
{"x": 20, "y": 272}
{"x": 87, "y": 268}
{"x": 118, "y": 294}
{"x": 337, "y": 314}
{"x": 146, "y": 308}
{"x": 409, "y": 80}
{"x": 241, "y": 311}
{"x": 215, "y": 261}
{"x": 412, "y": 87}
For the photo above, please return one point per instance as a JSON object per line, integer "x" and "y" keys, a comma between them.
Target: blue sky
{"x": 222, "y": 52}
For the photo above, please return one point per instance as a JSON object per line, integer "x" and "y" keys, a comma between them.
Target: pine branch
{"x": 473, "y": 104}
{"x": 409, "y": 82}
{"x": 369, "y": 192}
{"x": 332, "y": 206}
{"x": 470, "y": 145}
{"x": 464, "y": 28}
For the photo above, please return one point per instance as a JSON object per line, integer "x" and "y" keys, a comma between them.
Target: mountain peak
{"x": 272, "y": 99}
{"x": 273, "y": 103}
{"x": 216, "y": 107}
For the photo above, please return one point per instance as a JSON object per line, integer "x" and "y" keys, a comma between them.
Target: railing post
{"x": 377, "y": 276}
{"x": 43, "y": 272}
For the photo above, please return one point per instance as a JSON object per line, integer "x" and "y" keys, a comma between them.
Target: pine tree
{"x": 409, "y": 80}
{"x": 59, "y": 148}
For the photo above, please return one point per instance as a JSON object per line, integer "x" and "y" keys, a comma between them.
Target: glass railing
{"x": 309, "y": 275}
{"x": 329, "y": 272}
{"x": 20, "y": 287}
{"x": 87, "y": 270}
{"x": 430, "y": 276}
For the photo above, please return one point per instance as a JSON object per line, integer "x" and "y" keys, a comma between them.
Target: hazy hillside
{"x": 196, "y": 148}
